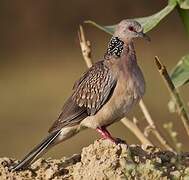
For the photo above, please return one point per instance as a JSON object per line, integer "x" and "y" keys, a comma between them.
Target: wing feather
{"x": 90, "y": 93}
{"x": 94, "y": 88}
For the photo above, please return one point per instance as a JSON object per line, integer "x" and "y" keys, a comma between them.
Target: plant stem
{"x": 174, "y": 94}
{"x": 136, "y": 131}
{"x": 153, "y": 127}
{"x": 85, "y": 47}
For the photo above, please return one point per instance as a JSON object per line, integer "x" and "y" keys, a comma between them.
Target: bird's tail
{"x": 37, "y": 151}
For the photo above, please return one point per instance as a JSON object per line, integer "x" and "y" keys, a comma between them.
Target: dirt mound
{"x": 105, "y": 160}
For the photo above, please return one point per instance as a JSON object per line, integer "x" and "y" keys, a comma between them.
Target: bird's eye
{"x": 131, "y": 28}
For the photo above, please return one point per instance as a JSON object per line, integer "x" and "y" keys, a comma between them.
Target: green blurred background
{"x": 40, "y": 59}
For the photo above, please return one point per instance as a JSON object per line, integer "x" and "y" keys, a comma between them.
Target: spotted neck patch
{"x": 115, "y": 48}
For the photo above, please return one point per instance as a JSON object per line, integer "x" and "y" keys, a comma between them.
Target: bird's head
{"x": 129, "y": 29}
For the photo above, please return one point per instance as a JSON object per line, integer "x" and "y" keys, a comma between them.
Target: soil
{"x": 105, "y": 160}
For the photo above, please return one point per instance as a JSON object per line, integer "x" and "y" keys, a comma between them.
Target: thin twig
{"x": 85, "y": 47}
{"x": 174, "y": 94}
{"x": 136, "y": 131}
{"x": 86, "y": 52}
{"x": 146, "y": 113}
{"x": 152, "y": 127}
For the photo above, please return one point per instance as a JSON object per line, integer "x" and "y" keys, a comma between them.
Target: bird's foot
{"x": 106, "y": 135}
{"x": 120, "y": 141}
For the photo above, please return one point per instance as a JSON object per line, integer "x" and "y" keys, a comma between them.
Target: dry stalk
{"x": 174, "y": 94}
{"x": 85, "y": 47}
{"x": 132, "y": 125}
{"x": 86, "y": 52}
{"x": 152, "y": 127}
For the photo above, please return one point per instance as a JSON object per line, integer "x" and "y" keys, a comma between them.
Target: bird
{"x": 104, "y": 94}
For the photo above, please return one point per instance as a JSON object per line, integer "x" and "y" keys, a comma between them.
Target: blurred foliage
{"x": 184, "y": 15}
{"x": 184, "y": 4}
{"x": 173, "y": 134}
{"x": 180, "y": 74}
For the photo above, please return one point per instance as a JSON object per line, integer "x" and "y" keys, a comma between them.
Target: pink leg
{"x": 105, "y": 134}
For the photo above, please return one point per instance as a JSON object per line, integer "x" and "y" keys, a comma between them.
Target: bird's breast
{"x": 128, "y": 91}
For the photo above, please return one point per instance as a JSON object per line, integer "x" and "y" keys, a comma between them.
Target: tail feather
{"x": 37, "y": 151}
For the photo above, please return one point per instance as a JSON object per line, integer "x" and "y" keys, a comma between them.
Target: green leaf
{"x": 184, "y": 15}
{"x": 184, "y": 4}
{"x": 107, "y": 29}
{"x": 180, "y": 74}
{"x": 148, "y": 22}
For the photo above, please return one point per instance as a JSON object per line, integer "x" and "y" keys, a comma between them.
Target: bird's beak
{"x": 143, "y": 35}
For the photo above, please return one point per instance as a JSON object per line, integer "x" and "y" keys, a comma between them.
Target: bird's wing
{"x": 90, "y": 93}
{"x": 94, "y": 88}
{"x": 70, "y": 115}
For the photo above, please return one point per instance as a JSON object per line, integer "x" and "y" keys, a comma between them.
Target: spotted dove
{"x": 102, "y": 96}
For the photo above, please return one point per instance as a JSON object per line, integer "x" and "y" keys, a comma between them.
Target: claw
{"x": 105, "y": 134}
